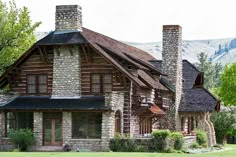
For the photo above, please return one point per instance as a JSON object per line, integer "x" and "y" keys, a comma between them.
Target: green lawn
{"x": 227, "y": 153}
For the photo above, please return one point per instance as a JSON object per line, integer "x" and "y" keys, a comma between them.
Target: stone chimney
{"x": 68, "y": 18}
{"x": 66, "y": 61}
{"x": 172, "y": 62}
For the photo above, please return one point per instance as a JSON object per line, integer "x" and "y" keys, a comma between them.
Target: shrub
{"x": 22, "y": 138}
{"x": 201, "y": 138}
{"x": 194, "y": 145}
{"x": 178, "y": 140}
{"x": 160, "y": 140}
{"x": 120, "y": 144}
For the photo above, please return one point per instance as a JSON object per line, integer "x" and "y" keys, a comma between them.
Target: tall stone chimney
{"x": 172, "y": 62}
{"x": 68, "y": 18}
{"x": 66, "y": 61}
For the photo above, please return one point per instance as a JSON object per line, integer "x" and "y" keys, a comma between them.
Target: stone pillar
{"x": 108, "y": 128}
{"x": 66, "y": 72}
{"x": 66, "y": 127}
{"x": 68, "y": 17}
{"x": 172, "y": 63}
{"x": 2, "y": 126}
{"x": 38, "y": 128}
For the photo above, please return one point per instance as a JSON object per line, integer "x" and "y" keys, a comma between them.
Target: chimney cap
{"x": 66, "y": 7}
{"x": 168, "y": 27}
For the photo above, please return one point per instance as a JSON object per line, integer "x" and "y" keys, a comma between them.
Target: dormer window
{"x": 101, "y": 83}
{"x": 37, "y": 84}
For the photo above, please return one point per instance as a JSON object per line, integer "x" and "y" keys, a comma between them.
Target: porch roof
{"x": 48, "y": 103}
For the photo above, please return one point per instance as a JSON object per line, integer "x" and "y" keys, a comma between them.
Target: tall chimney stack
{"x": 68, "y": 18}
{"x": 172, "y": 62}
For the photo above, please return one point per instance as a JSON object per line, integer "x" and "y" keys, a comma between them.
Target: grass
{"x": 227, "y": 153}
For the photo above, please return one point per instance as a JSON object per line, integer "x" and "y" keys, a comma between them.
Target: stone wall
{"x": 66, "y": 72}
{"x": 172, "y": 62}
{"x": 115, "y": 100}
{"x": 38, "y": 128}
{"x": 189, "y": 140}
{"x": 68, "y": 17}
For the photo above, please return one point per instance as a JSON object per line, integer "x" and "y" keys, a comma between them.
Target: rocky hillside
{"x": 218, "y": 50}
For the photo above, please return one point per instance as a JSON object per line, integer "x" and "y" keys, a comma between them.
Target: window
{"x": 101, "y": 83}
{"x": 37, "y": 84}
{"x": 18, "y": 120}
{"x": 86, "y": 125}
{"x": 146, "y": 126}
{"x": 117, "y": 122}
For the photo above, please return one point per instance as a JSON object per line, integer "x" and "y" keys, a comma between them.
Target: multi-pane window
{"x": 101, "y": 83}
{"x": 36, "y": 84}
{"x": 18, "y": 120}
{"x": 146, "y": 126}
{"x": 86, "y": 125}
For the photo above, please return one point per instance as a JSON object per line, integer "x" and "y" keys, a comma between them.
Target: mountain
{"x": 218, "y": 50}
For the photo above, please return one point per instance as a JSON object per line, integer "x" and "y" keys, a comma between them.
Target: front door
{"x": 52, "y": 129}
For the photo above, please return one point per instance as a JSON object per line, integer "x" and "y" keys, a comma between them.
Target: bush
{"x": 201, "y": 138}
{"x": 178, "y": 140}
{"x": 160, "y": 140}
{"x": 22, "y": 138}
{"x": 123, "y": 145}
{"x": 194, "y": 145}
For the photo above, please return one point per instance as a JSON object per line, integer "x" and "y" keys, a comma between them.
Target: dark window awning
{"x": 47, "y": 103}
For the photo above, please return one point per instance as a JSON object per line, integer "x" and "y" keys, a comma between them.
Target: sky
{"x": 142, "y": 20}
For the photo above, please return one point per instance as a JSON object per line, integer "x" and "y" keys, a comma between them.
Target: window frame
{"x": 73, "y": 121}
{"x": 37, "y": 91}
{"x": 102, "y": 84}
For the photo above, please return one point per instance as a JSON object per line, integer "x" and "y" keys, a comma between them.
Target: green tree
{"x": 211, "y": 71}
{"x": 208, "y": 68}
{"x": 16, "y": 33}
{"x": 224, "y": 124}
{"x": 227, "y": 87}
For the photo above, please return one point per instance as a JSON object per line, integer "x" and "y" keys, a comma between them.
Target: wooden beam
{"x": 45, "y": 54}
{"x": 42, "y": 55}
{"x": 84, "y": 52}
{"x": 57, "y": 50}
{"x": 90, "y": 58}
{"x": 70, "y": 50}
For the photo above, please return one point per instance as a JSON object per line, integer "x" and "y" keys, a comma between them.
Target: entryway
{"x": 52, "y": 130}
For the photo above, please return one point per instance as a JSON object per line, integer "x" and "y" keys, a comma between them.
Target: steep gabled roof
{"x": 99, "y": 43}
{"x": 193, "y": 99}
{"x": 190, "y": 72}
{"x": 197, "y": 100}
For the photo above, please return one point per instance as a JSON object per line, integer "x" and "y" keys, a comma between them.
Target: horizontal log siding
{"x": 97, "y": 64}
{"x": 34, "y": 65}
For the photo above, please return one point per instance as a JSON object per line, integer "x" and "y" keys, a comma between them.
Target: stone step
{"x": 50, "y": 149}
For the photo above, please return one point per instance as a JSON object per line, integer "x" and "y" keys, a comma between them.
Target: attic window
{"x": 199, "y": 80}
{"x": 101, "y": 83}
{"x": 36, "y": 84}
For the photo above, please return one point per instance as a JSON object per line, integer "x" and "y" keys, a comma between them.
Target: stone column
{"x": 38, "y": 128}
{"x": 2, "y": 126}
{"x": 66, "y": 127}
{"x": 108, "y": 128}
